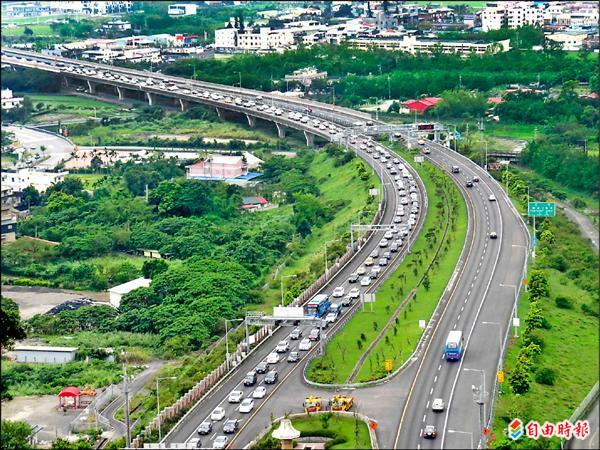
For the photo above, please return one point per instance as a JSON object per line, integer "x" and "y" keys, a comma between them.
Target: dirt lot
{"x": 42, "y": 411}
{"x": 38, "y": 300}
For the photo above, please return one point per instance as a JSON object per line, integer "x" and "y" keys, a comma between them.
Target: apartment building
{"x": 8, "y": 101}
{"x": 511, "y": 14}
{"x": 263, "y": 38}
{"x": 410, "y": 44}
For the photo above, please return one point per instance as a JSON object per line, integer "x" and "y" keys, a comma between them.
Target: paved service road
{"x": 57, "y": 148}
{"x": 587, "y": 227}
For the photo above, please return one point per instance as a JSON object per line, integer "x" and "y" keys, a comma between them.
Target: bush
{"x": 546, "y": 376}
{"x": 590, "y": 310}
{"x": 564, "y": 302}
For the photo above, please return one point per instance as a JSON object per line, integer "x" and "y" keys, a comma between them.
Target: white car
{"x": 383, "y": 243}
{"x": 246, "y": 406}
{"x": 235, "y": 397}
{"x": 354, "y": 293}
{"x": 365, "y": 281}
{"x": 273, "y": 358}
{"x": 438, "y": 405}
{"x": 220, "y": 442}
{"x": 282, "y": 347}
{"x": 492, "y": 198}
{"x": 218, "y": 414}
{"x": 331, "y": 317}
{"x": 338, "y": 292}
{"x": 388, "y": 234}
{"x": 305, "y": 344}
{"x": 260, "y": 392}
{"x": 369, "y": 261}
{"x": 361, "y": 270}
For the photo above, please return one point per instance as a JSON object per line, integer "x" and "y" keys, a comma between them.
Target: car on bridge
{"x": 259, "y": 392}
{"x": 250, "y": 379}
{"x": 353, "y": 278}
{"x": 230, "y": 426}
{"x": 273, "y": 358}
{"x": 220, "y": 442}
{"x": 369, "y": 261}
{"x": 296, "y": 334}
{"x": 315, "y": 334}
{"x": 246, "y": 406}
{"x": 235, "y": 396}
{"x": 194, "y": 443}
{"x": 293, "y": 357}
{"x": 338, "y": 292}
{"x": 354, "y": 293}
{"x": 493, "y": 235}
{"x": 271, "y": 377}
{"x": 205, "y": 427}
{"x": 282, "y": 347}
{"x": 365, "y": 281}
{"x": 262, "y": 367}
{"x": 217, "y": 414}
{"x": 331, "y": 317}
{"x": 305, "y": 344}
{"x": 346, "y": 301}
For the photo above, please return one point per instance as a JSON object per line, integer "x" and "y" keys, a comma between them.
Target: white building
{"x": 571, "y": 41}
{"x": 21, "y": 178}
{"x": 226, "y": 38}
{"x": 182, "y": 9}
{"x": 411, "y": 44}
{"x": 117, "y": 292}
{"x": 117, "y": 25}
{"x": 264, "y": 39}
{"x": 8, "y": 101}
{"x": 44, "y": 354}
{"x": 94, "y": 8}
{"x": 513, "y": 14}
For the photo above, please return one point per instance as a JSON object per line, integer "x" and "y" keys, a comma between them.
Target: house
{"x": 218, "y": 167}
{"x": 117, "y": 292}
{"x": 10, "y": 200}
{"x": 117, "y": 25}
{"x": 182, "y": 9}
{"x": 21, "y": 178}
{"x": 421, "y": 105}
{"x": 252, "y": 203}
{"x": 8, "y": 101}
{"x": 44, "y": 354}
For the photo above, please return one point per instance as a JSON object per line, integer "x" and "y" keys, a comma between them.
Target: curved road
{"x": 480, "y": 303}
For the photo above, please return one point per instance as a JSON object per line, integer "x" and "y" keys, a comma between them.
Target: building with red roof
{"x": 495, "y": 100}
{"x": 422, "y": 104}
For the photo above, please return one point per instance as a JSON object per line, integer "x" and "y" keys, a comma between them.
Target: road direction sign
{"x": 419, "y": 159}
{"x": 369, "y": 298}
{"x": 541, "y": 209}
{"x": 533, "y": 240}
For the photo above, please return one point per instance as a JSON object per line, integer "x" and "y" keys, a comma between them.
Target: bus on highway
{"x": 454, "y": 345}
{"x": 317, "y": 306}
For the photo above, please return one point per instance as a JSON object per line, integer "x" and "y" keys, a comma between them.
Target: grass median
{"x": 345, "y": 350}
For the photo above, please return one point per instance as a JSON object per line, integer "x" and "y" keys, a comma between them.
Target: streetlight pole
{"x": 479, "y": 398}
{"x": 282, "y": 278}
{"x": 126, "y": 392}
{"x": 389, "y": 88}
{"x": 326, "y": 264}
{"x": 227, "y": 339}
{"x": 470, "y": 433}
{"x": 158, "y": 402}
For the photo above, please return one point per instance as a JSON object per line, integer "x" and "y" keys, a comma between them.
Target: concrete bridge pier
{"x": 310, "y": 139}
{"x": 66, "y": 81}
{"x": 436, "y": 136}
{"x": 184, "y": 104}
{"x": 220, "y": 113}
{"x": 91, "y": 86}
{"x": 251, "y": 120}
{"x": 280, "y": 130}
{"x": 151, "y": 98}
{"x": 120, "y": 92}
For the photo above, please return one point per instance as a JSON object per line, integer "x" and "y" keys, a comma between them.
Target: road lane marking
{"x": 427, "y": 406}
{"x": 424, "y": 417}
{"x": 431, "y": 391}
{"x": 440, "y": 367}
{"x": 458, "y": 318}
{"x": 435, "y": 379}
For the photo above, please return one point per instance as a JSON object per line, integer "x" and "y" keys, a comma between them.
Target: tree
{"x": 519, "y": 379}
{"x": 31, "y": 196}
{"x": 28, "y": 32}
{"x": 10, "y": 323}
{"x": 15, "y": 435}
{"x": 152, "y": 267}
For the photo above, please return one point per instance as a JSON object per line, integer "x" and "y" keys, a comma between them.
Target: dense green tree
{"x": 10, "y": 323}
{"x": 31, "y": 196}
{"x": 15, "y": 435}
{"x": 153, "y": 267}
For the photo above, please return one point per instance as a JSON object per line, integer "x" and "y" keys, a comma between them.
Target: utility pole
{"x": 146, "y": 190}
{"x": 127, "y": 425}
{"x": 389, "y": 88}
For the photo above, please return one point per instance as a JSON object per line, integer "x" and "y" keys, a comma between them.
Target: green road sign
{"x": 541, "y": 209}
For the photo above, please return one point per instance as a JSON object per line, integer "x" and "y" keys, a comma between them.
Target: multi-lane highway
{"x": 480, "y": 305}
{"x": 186, "y": 430}
{"x": 479, "y": 302}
